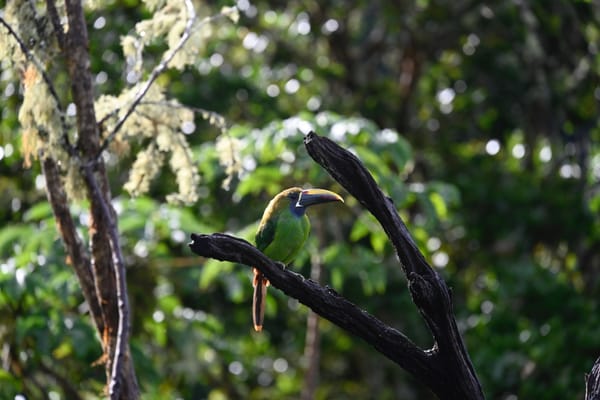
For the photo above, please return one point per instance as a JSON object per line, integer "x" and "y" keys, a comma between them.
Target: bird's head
{"x": 301, "y": 199}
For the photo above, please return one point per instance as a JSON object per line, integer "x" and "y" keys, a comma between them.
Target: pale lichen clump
{"x": 155, "y": 119}
{"x": 73, "y": 180}
{"x": 156, "y": 123}
{"x": 39, "y": 115}
{"x": 39, "y": 119}
{"x": 232, "y": 13}
{"x": 228, "y": 150}
{"x": 201, "y": 31}
{"x": 185, "y": 173}
{"x": 34, "y": 29}
{"x": 145, "y": 168}
{"x": 169, "y": 21}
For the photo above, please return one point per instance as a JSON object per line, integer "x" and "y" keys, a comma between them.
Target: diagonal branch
{"x": 322, "y": 300}
{"x": 347, "y": 169}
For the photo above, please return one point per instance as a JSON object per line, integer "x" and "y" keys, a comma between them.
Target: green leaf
{"x": 189, "y": 222}
{"x": 131, "y": 222}
{"x": 439, "y": 205}
{"x": 337, "y": 278}
{"x": 11, "y": 234}
{"x": 38, "y": 212}
{"x": 378, "y": 242}
{"x": 211, "y": 270}
{"x": 359, "y": 230}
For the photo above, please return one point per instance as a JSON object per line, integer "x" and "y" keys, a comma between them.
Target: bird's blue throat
{"x": 298, "y": 211}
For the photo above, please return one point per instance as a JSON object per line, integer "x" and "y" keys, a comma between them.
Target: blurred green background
{"x": 480, "y": 120}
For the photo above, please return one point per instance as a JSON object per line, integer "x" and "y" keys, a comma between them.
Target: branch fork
{"x": 446, "y": 368}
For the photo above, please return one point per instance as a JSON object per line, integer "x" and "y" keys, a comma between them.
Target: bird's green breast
{"x": 282, "y": 235}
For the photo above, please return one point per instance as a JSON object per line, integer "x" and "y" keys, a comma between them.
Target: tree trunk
{"x": 101, "y": 271}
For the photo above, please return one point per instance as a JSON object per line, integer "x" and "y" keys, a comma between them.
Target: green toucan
{"x": 281, "y": 234}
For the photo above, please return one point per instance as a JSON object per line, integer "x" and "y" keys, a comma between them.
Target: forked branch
{"x": 446, "y": 368}
{"x": 322, "y": 300}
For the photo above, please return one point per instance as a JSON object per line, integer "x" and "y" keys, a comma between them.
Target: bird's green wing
{"x": 266, "y": 232}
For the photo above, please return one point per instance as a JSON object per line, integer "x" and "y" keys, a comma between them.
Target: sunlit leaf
{"x": 38, "y": 212}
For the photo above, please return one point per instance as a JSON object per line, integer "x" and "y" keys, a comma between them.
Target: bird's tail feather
{"x": 260, "y": 284}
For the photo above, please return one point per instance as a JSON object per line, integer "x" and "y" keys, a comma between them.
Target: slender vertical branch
{"x": 312, "y": 345}
{"x": 107, "y": 265}
{"x": 123, "y": 328}
{"x": 78, "y": 255}
{"x": 55, "y": 20}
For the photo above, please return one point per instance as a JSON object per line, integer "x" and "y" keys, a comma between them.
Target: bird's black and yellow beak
{"x": 309, "y": 197}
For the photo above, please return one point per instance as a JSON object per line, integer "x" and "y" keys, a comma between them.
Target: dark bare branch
{"x": 347, "y": 169}
{"x": 322, "y": 300}
{"x": 429, "y": 291}
{"x": 592, "y": 382}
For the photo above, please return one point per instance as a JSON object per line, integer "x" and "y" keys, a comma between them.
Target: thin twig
{"x": 121, "y": 288}
{"x": 55, "y": 19}
{"x": 312, "y": 344}
{"x": 159, "y": 69}
{"x": 38, "y": 65}
{"x": 79, "y": 255}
